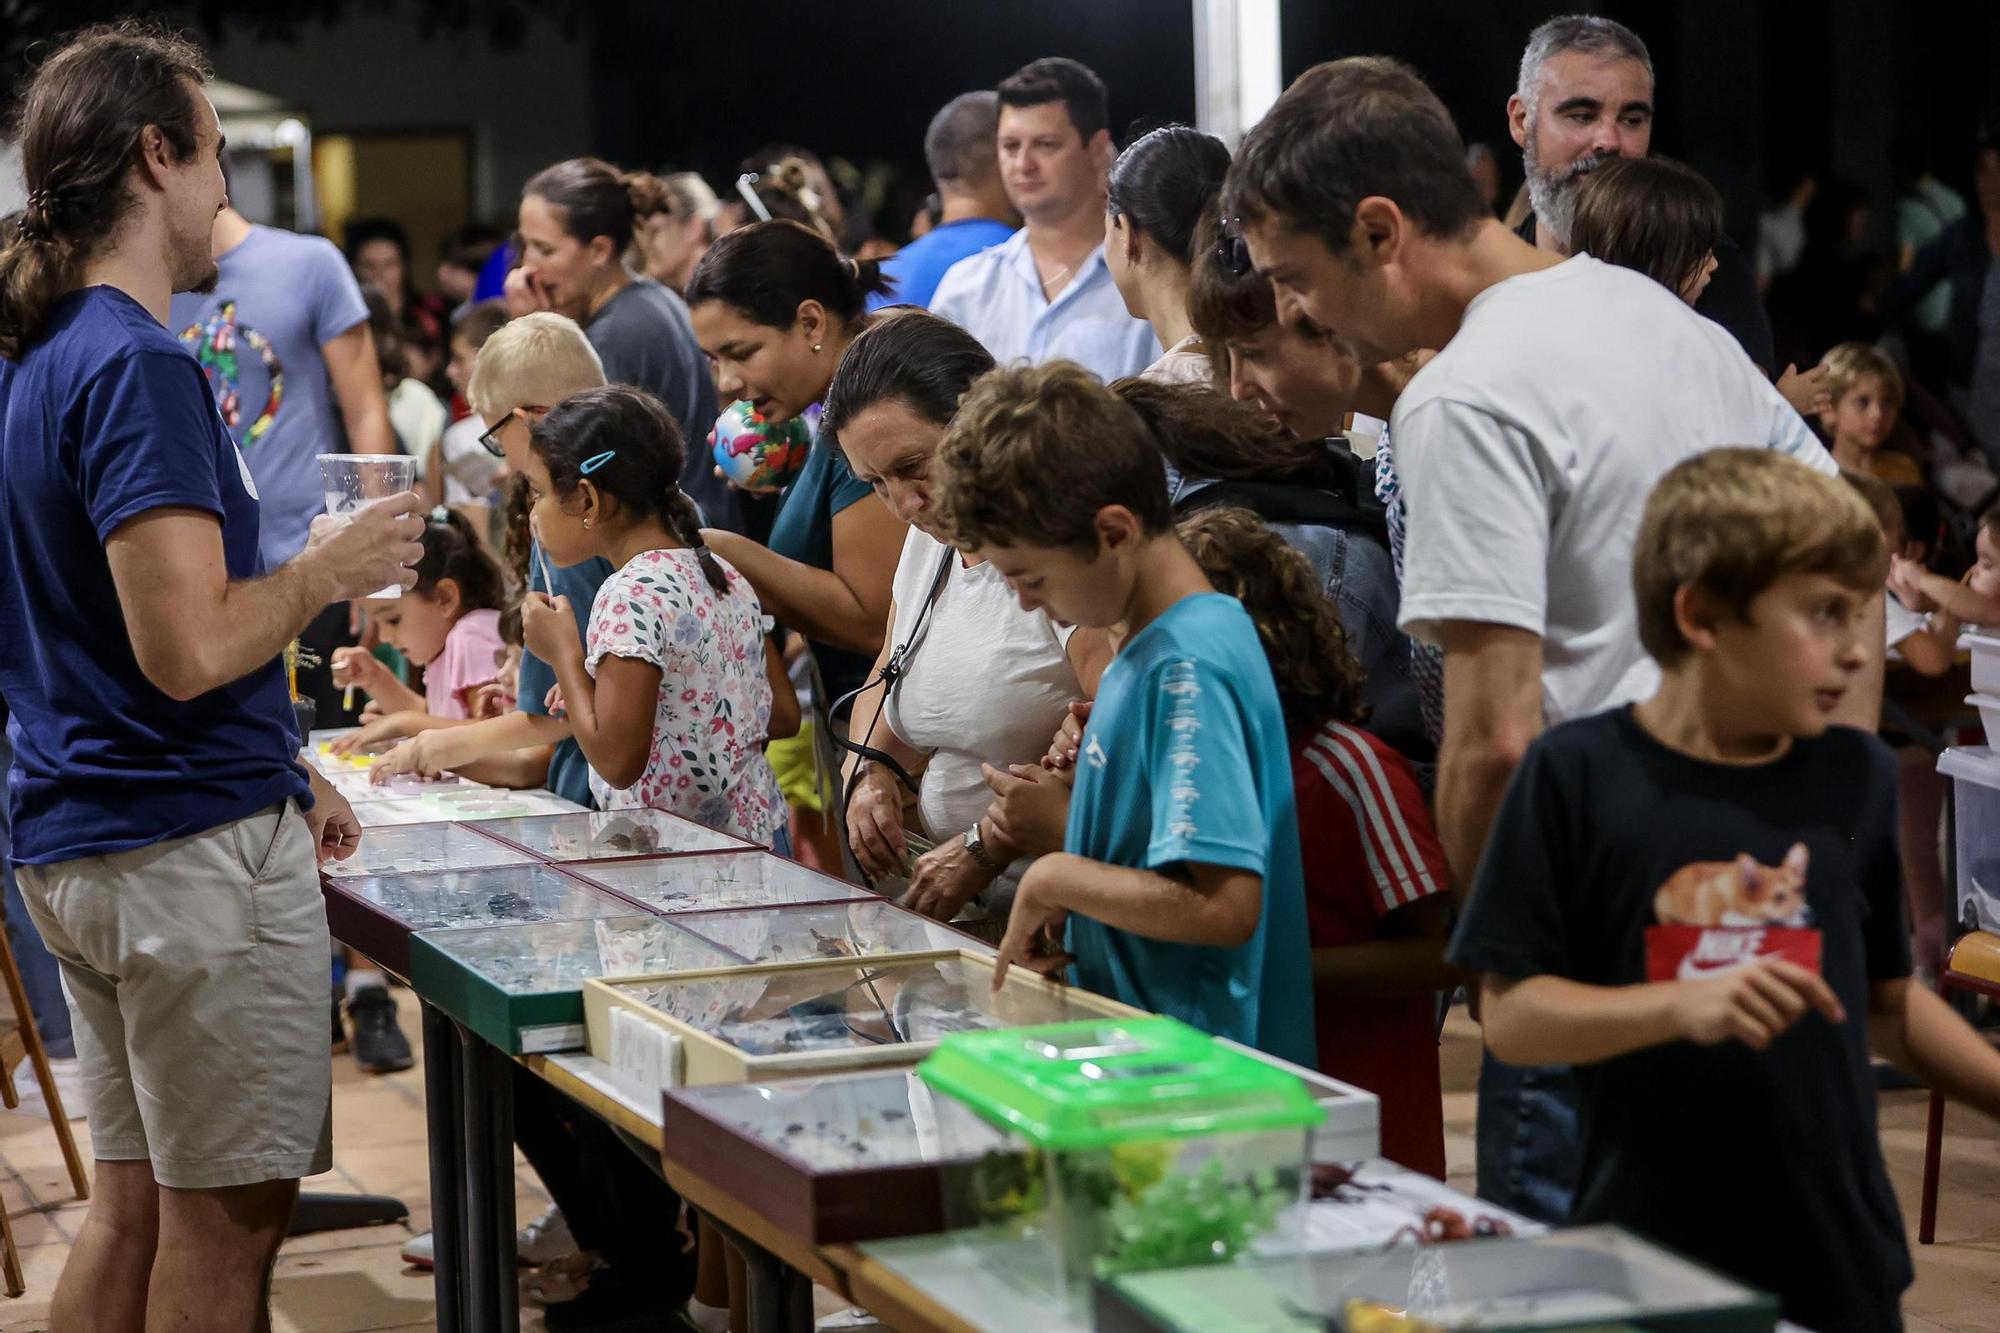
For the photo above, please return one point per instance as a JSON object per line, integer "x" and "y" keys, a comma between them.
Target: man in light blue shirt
{"x": 960, "y": 148}
{"x": 1046, "y": 294}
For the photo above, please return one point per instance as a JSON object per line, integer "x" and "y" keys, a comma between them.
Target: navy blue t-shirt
{"x": 104, "y": 417}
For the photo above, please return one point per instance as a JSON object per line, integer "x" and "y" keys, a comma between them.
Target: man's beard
{"x": 1552, "y": 194}
{"x": 206, "y": 282}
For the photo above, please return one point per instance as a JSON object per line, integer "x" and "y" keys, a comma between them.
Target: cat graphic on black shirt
{"x": 1742, "y": 892}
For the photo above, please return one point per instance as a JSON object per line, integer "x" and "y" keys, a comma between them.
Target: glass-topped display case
{"x": 815, "y": 932}
{"x": 766, "y": 1022}
{"x": 718, "y": 882}
{"x": 596, "y": 835}
{"x": 377, "y": 914}
{"x": 520, "y": 985}
{"x": 409, "y": 849}
{"x": 1585, "y": 1277}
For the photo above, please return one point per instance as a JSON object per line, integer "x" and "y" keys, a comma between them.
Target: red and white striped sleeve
{"x": 1405, "y": 858}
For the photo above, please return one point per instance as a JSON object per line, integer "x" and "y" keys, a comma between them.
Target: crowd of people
{"x": 1264, "y": 586}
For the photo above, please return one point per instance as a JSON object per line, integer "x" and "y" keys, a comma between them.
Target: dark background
{"x": 1748, "y": 90}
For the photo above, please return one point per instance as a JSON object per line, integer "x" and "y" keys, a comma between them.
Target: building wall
{"x": 523, "y": 107}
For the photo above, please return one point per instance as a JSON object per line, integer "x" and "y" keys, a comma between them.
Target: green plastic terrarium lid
{"x": 1081, "y": 1086}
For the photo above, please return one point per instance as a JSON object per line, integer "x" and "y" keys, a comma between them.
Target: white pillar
{"x": 1237, "y": 70}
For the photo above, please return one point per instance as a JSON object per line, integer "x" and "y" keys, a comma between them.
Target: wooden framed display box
{"x": 786, "y": 1019}
{"x": 377, "y": 914}
{"x": 877, "y": 1155}
{"x": 521, "y": 986}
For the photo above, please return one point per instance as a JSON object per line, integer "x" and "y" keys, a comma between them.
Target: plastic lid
{"x": 1081, "y": 1086}
{"x": 1971, "y": 763}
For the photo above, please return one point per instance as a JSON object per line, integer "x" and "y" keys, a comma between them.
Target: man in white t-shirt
{"x": 1562, "y": 391}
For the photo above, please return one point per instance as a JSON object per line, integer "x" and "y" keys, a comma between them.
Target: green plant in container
{"x": 1149, "y": 1144}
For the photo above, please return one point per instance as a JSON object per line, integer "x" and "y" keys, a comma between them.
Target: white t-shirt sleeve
{"x": 1790, "y": 434}
{"x": 1902, "y": 622}
{"x": 1479, "y": 517}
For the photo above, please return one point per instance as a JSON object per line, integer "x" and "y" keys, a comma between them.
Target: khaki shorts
{"x": 198, "y": 977}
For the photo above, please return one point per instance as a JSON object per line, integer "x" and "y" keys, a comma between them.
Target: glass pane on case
{"x": 854, "y": 1006}
{"x": 710, "y": 883}
{"x": 483, "y": 897}
{"x": 417, "y": 848}
{"x": 389, "y": 811}
{"x": 595, "y": 835}
{"x": 546, "y": 956}
{"x": 851, "y": 1122}
{"x": 824, "y": 931}
{"x": 1588, "y": 1277}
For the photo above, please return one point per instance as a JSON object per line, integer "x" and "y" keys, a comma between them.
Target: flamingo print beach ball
{"x": 757, "y": 454}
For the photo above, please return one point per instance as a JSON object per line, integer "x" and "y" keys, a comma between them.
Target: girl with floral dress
{"x": 677, "y": 688}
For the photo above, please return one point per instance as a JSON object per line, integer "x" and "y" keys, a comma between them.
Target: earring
{"x": 816, "y": 348}
{"x": 586, "y": 525}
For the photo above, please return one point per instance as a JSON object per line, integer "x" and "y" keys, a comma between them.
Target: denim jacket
{"x": 1360, "y": 578}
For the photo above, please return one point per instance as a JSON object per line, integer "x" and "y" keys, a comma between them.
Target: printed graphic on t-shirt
{"x": 216, "y": 343}
{"x": 1718, "y": 915}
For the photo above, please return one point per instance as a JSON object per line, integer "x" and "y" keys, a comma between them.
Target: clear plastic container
{"x": 603, "y": 835}
{"x": 1974, "y": 771}
{"x": 720, "y": 882}
{"x": 1152, "y": 1146}
{"x": 353, "y": 480}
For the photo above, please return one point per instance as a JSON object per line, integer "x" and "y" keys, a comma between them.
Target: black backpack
{"x": 1337, "y": 493}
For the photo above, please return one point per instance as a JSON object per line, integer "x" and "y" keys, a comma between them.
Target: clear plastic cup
{"x": 352, "y": 480}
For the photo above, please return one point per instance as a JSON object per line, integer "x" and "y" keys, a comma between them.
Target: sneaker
{"x": 69, "y": 1086}
{"x": 379, "y": 1045}
{"x": 612, "y": 1304}
{"x": 545, "y": 1239}
{"x": 542, "y": 1241}
{"x": 420, "y": 1251}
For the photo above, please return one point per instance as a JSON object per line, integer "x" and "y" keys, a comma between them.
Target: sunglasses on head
{"x": 489, "y": 439}
{"x": 1231, "y": 251}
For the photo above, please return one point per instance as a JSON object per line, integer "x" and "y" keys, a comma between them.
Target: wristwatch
{"x": 975, "y": 847}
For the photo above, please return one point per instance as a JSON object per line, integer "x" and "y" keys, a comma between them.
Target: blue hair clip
{"x": 596, "y": 461}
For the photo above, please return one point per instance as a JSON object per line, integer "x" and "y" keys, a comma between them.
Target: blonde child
{"x": 1865, "y": 393}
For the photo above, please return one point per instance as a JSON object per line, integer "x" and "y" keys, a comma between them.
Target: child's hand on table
{"x": 1034, "y": 938}
{"x": 376, "y": 728}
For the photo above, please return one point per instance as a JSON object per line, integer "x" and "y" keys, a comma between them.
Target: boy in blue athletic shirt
{"x": 1179, "y": 888}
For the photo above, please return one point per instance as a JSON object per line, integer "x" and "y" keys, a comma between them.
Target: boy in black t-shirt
{"x": 1697, "y": 900}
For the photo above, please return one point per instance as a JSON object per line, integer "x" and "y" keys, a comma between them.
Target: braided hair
{"x": 625, "y": 441}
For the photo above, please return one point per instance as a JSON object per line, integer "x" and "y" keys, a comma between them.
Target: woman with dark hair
{"x": 775, "y": 308}
{"x": 378, "y": 250}
{"x": 983, "y": 682}
{"x": 577, "y": 221}
{"x": 1158, "y": 190}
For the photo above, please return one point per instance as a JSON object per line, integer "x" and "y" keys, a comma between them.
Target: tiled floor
{"x": 349, "y": 1281}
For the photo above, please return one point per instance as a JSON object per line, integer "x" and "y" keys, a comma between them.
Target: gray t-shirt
{"x": 645, "y": 339}
{"x": 258, "y": 335}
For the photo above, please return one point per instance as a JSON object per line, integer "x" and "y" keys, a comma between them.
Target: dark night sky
{"x": 1745, "y": 86}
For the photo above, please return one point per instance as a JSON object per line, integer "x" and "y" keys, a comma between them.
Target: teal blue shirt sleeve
{"x": 847, "y": 490}
{"x": 1205, "y": 806}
